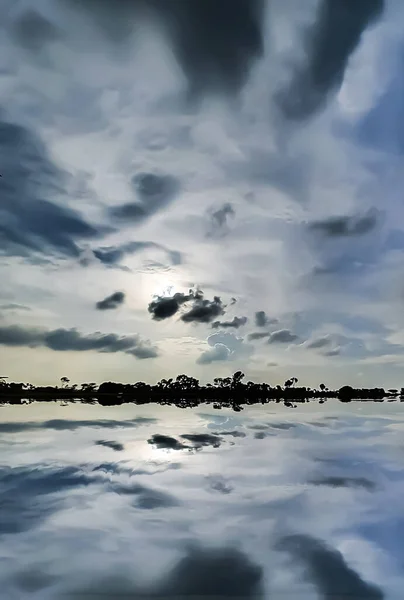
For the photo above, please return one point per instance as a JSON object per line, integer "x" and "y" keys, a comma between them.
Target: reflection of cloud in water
{"x": 162, "y": 518}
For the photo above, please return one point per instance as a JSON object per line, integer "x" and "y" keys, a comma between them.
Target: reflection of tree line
{"x": 187, "y": 391}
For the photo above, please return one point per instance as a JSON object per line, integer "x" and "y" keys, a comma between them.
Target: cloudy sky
{"x": 200, "y": 187}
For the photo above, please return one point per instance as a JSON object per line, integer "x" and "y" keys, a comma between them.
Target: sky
{"x": 170, "y": 503}
{"x": 200, "y": 188}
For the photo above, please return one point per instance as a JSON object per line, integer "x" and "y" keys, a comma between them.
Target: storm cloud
{"x": 329, "y": 44}
{"x": 111, "y": 302}
{"x": 65, "y": 340}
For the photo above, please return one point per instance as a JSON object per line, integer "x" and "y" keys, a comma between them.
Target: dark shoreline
{"x": 186, "y": 392}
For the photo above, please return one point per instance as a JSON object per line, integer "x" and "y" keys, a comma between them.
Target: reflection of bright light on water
{"x": 142, "y": 452}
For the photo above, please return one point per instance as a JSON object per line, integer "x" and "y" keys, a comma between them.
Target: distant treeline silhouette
{"x": 185, "y": 391}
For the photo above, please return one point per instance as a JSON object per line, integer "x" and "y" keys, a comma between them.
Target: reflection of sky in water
{"x": 269, "y": 502}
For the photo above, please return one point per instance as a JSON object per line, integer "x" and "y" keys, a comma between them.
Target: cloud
{"x": 27, "y": 493}
{"x": 333, "y": 352}
{"x": 146, "y": 497}
{"x": 113, "y": 255}
{"x": 198, "y": 440}
{"x": 204, "y": 311}
{"x": 71, "y": 340}
{"x": 223, "y": 572}
{"x": 154, "y": 191}
{"x": 258, "y": 335}
{"x": 164, "y": 307}
{"x": 15, "y": 307}
{"x": 117, "y": 446}
{"x": 166, "y": 442}
{"x": 261, "y": 319}
{"x": 111, "y": 302}
{"x": 214, "y": 43}
{"x": 329, "y": 44}
{"x": 203, "y": 439}
{"x": 29, "y": 222}
{"x": 283, "y": 336}
{"x": 327, "y": 569}
{"x": 344, "y": 482}
{"x": 225, "y": 346}
{"x": 235, "y": 323}
{"x": 346, "y": 226}
{"x": 33, "y": 31}
{"x": 71, "y": 425}
{"x": 218, "y": 353}
{"x": 320, "y": 342}
{"x": 231, "y": 574}
{"x": 219, "y": 484}
{"x": 219, "y": 219}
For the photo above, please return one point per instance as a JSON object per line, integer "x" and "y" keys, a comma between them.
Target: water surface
{"x": 156, "y": 501}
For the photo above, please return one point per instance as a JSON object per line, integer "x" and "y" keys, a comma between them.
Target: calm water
{"x": 270, "y": 502}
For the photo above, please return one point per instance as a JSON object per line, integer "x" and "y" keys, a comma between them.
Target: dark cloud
{"x": 345, "y": 482}
{"x": 111, "y": 302}
{"x": 166, "y": 442}
{"x": 113, "y": 255}
{"x": 218, "y": 219}
{"x": 65, "y": 340}
{"x": 27, "y": 494}
{"x": 33, "y": 31}
{"x": 346, "y": 226}
{"x": 204, "y": 311}
{"x": 164, "y": 307}
{"x": 219, "y": 484}
{"x": 215, "y": 573}
{"x": 283, "y": 336}
{"x": 13, "y": 306}
{"x": 283, "y": 426}
{"x": 258, "y": 335}
{"x": 260, "y": 435}
{"x": 201, "y": 311}
{"x": 154, "y": 191}
{"x": 333, "y": 352}
{"x": 29, "y": 222}
{"x": 197, "y": 440}
{"x": 215, "y": 43}
{"x": 201, "y": 573}
{"x": 70, "y": 425}
{"x": 235, "y": 433}
{"x": 329, "y": 44}
{"x": 262, "y": 320}
{"x": 117, "y": 446}
{"x": 327, "y": 569}
{"x": 235, "y": 323}
{"x": 202, "y": 439}
{"x": 145, "y": 497}
{"x": 321, "y": 342}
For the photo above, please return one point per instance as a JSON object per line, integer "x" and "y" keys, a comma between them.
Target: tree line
{"x": 187, "y": 391}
